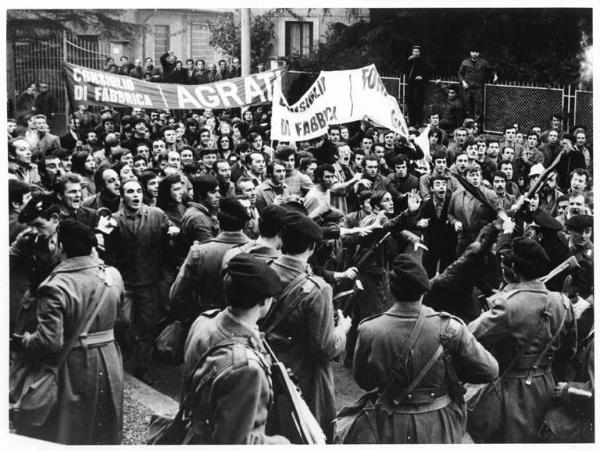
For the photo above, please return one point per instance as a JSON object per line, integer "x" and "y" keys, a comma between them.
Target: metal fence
{"x": 584, "y": 104}
{"x": 36, "y": 61}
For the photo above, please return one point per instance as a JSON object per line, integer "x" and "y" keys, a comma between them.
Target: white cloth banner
{"x": 334, "y": 98}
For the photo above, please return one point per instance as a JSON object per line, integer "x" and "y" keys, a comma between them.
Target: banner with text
{"x": 97, "y": 87}
{"x": 336, "y": 97}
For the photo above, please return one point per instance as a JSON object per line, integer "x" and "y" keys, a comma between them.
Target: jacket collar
{"x": 231, "y": 237}
{"x": 295, "y": 265}
{"x": 231, "y": 325}
{"x": 78, "y": 264}
{"x": 406, "y": 308}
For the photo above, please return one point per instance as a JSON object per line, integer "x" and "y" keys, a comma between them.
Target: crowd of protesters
{"x": 360, "y": 210}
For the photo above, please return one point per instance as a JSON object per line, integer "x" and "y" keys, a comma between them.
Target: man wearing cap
{"x": 580, "y": 228}
{"x": 195, "y": 288}
{"x": 300, "y": 325}
{"x": 90, "y": 382}
{"x": 200, "y": 223}
{"x": 267, "y": 246}
{"x": 418, "y": 71}
{"x": 473, "y": 73}
{"x": 136, "y": 247}
{"x": 525, "y": 313}
{"x": 232, "y": 384}
{"x": 395, "y": 346}
{"x": 35, "y": 252}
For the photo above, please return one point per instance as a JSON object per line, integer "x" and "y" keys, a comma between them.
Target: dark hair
{"x": 284, "y": 153}
{"x": 562, "y": 198}
{"x": 220, "y": 147}
{"x": 271, "y": 166}
{"x": 248, "y": 159}
{"x": 305, "y": 163}
{"x": 164, "y": 200}
{"x": 507, "y": 162}
{"x": 145, "y": 177}
{"x": 203, "y": 185}
{"x": 77, "y": 239}
{"x": 320, "y": 171}
{"x": 500, "y": 174}
{"x": 439, "y": 155}
{"x": 252, "y": 136}
{"x": 78, "y": 162}
{"x": 293, "y": 243}
{"x": 61, "y": 182}
{"x": 16, "y": 190}
{"x": 334, "y": 127}
{"x": 437, "y": 177}
{"x": 580, "y": 171}
{"x": 269, "y": 226}
{"x": 190, "y": 168}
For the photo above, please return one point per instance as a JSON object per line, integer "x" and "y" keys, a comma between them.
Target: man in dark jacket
{"x": 473, "y": 73}
{"x": 440, "y": 237}
{"x": 68, "y": 192}
{"x": 90, "y": 382}
{"x": 45, "y": 103}
{"x": 199, "y": 223}
{"x": 418, "y": 71}
{"x": 386, "y": 358}
{"x": 136, "y": 248}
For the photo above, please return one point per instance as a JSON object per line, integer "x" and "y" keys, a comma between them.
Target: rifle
{"x": 569, "y": 263}
{"x": 304, "y": 427}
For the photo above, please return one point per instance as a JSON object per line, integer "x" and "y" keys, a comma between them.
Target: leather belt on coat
{"x": 96, "y": 339}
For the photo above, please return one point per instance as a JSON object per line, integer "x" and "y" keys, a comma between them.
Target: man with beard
{"x": 549, "y": 195}
{"x": 68, "y": 192}
{"x": 272, "y": 190}
{"x": 222, "y": 170}
{"x": 108, "y": 194}
{"x": 200, "y": 222}
{"x": 467, "y": 214}
{"x": 345, "y": 179}
{"x": 439, "y": 236}
{"x": 136, "y": 247}
{"x": 499, "y": 182}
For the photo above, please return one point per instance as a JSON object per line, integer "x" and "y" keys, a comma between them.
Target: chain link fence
{"x": 584, "y": 112}
{"x": 523, "y": 105}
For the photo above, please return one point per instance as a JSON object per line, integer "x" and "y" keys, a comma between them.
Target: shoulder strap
{"x": 552, "y": 340}
{"x": 84, "y": 326}
{"x": 530, "y": 339}
{"x": 396, "y": 371}
{"x": 419, "y": 377}
{"x": 284, "y": 294}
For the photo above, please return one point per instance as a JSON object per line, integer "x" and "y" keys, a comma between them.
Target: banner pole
{"x": 65, "y": 85}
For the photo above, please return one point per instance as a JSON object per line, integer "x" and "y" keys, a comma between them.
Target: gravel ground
{"x": 136, "y": 418}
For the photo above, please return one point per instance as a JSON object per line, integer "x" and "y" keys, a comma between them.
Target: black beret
{"x": 253, "y": 276}
{"x": 74, "y": 231}
{"x": 205, "y": 183}
{"x": 527, "y": 252}
{"x": 40, "y": 204}
{"x": 232, "y": 208}
{"x": 302, "y": 225}
{"x": 295, "y": 205}
{"x": 580, "y": 222}
{"x": 273, "y": 213}
{"x": 544, "y": 220}
{"x": 408, "y": 270}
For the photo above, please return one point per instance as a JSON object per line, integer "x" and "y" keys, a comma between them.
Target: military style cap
{"x": 527, "y": 252}
{"x": 302, "y": 225}
{"x": 253, "y": 276}
{"x": 273, "y": 213}
{"x": 408, "y": 270}
{"x": 580, "y": 222}
{"x": 545, "y": 221}
{"x": 416, "y": 46}
{"x": 39, "y": 205}
{"x": 233, "y": 209}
